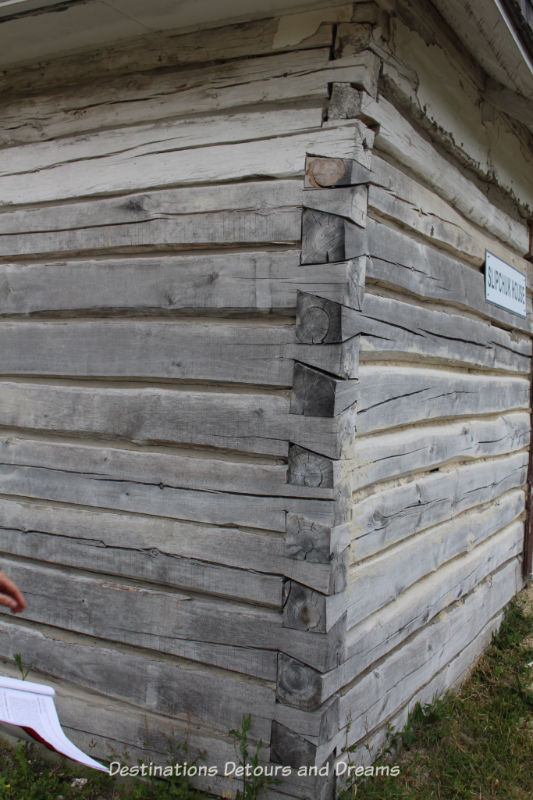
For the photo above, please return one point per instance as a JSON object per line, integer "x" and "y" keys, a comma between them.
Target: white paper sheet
{"x": 31, "y": 706}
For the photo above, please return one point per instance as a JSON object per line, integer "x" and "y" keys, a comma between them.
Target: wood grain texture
{"x": 402, "y": 452}
{"x": 226, "y": 561}
{"x": 242, "y": 352}
{"x": 398, "y": 261}
{"x": 390, "y": 328}
{"x": 388, "y": 517}
{"x": 375, "y": 698}
{"x": 294, "y": 77}
{"x": 317, "y": 394}
{"x": 165, "y": 50}
{"x": 163, "y": 621}
{"x": 395, "y": 195}
{"x": 117, "y": 165}
{"x": 210, "y": 506}
{"x": 331, "y": 173}
{"x": 214, "y": 282}
{"x": 383, "y": 631}
{"x": 391, "y": 396}
{"x": 251, "y": 422}
{"x": 382, "y": 580}
{"x": 240, "y": 213}
{"x": 145, "y": 680}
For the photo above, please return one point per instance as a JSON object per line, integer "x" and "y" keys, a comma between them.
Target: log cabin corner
{"x": 264, "y": 440}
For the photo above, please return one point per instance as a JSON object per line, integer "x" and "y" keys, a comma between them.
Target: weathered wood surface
{"x": 251, "y": 147}
{"x": 163, "y": 229}
{"x": 294, "y": 76}
{"x": 378, "y": 458}
{"x": 147, "y": 680}
{"x": 226, "y": 561}
{"x": 170, "y": 49}
{"x": 382, "y": 580}
{"x": 398, "y": 197}
{"x": 392, "y": 396}
{"x": 188, "y": 619}
{"x": 391, "y": 328}
{"x": 208, "y": 506}
{"x": 103, "y": 727}
{"x": 214, "y": 282}
{"x": 317, "y": 394}
{"x": 451, "y": 675}
{"x": 374, "y": 698}
{"x": 398, "y": 138}
{"x": 369, "y": 640}
{"x": 398, "y": 261}
{"x": 256, "y": 422}
{"x": 334, "y": 173}
{"x": 389, "y": 517}
{"x": 241, "y": 213}
{"x": 164, "y": 466}
{"x": 255, "y": 352}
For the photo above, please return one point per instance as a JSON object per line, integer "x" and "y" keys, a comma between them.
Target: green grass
{"x": 474, "y": 745}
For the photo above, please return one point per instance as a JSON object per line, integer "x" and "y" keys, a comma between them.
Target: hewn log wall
{"x": 164, "y": 396}
{"x": 438, "y": 477}
{"x": 264, "y": 443}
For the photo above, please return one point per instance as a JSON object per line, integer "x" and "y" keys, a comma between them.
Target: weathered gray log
{"x": 307, "y": 610}
{"x": 247, "y": 213}
{"x": 392, "y": 515}
{"x": 369, "y": 640}
{"x": 225, "y": 561}
{"x": 160, "y": 95}
{"x": 207, "y": 506}
{"x": 251, "y": 281}
{"x": 240, "y": 351}
{"x": 103, "y": 726}
{"x": 347, "y": 202}
{"x": 149, "y": 682}
{"x": 388, "y": 327}
{"x": 399, "y": 197}
{"x": 328, "y": 238}
{"x": 316, "y": 394}
{"x": 317, "y": 725}
{"x": 380, "y": 693}
{"x": 383, "y": 579}
{"x": 345, "y": 102}
{"x": 397, "y": 137}
{"x": 164, "y": 621}
{"x": 168, "y": 49}
{"x": 391, "y": 396}
{"x": 298, "y": 684}
{"x": 399, "y": 452}
{"x": 321, "y": 321}
{"x": 251, "y": 422}
{"x": 44, "y": 179}
{"x": 288, "y": 747}
{"x": 425, "y": 271}
{"x": 157, "y": 466}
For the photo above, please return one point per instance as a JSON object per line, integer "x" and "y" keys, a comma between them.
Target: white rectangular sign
{"x": 505, "y": 286}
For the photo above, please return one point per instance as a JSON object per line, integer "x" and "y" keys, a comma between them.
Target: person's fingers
{"x": 6, "y": 600}
{"x": 11, "y": 595}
